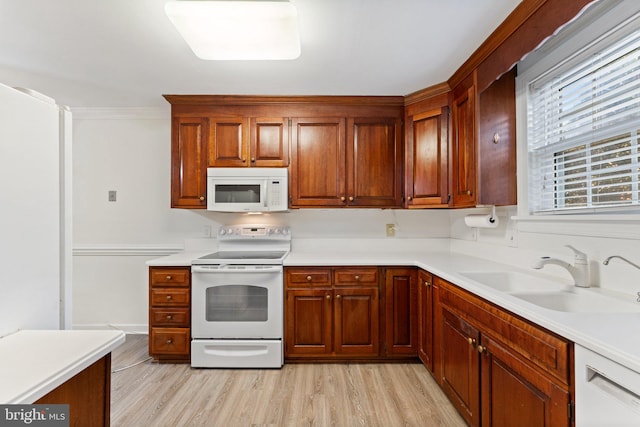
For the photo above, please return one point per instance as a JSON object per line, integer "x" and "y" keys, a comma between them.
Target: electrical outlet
{"x": 112, "y": 195}
{"x": 391, "y": 230}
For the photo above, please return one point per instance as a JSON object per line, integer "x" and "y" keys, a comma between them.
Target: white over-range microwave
{"x": 247, "y": 189}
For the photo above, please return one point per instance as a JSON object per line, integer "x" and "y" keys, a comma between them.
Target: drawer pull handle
{"x": 169, "y": 277}
{"x": 169, "y": 297}
{"x": 170, "y": 341}
{"x": 357, "y": 277}
{"x": 309, "y": 278}
{"x": 169, "y": 317}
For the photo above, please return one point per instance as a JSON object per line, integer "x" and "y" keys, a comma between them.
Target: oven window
{"x": 237, "y": 303}
{"x": 237, "y": 193}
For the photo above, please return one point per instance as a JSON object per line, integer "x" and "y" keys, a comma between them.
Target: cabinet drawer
{"x": 355, "y": 276}
{"x": 170, "y": 341}
{"x": 543, "y": 348}
{"x": 169, "y": 317}
{"x": 308, "y": 277}
{"x": 176, "y": 276}
{"x": 169, "y": 297}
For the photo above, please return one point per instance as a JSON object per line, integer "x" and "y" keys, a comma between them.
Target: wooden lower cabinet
{"x": 332, "y": 312}
{"x": 425, "y": 318}
{"x": 498, "y": 369}
{"x": 170, "y": 313}
{"x": 401, "y": 311}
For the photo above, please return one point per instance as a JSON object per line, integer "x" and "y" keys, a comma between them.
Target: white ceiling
{"x": 126, "y": 53}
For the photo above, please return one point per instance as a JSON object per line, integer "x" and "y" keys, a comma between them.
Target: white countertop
{"x": 613, "y": 335}
{"x": 34, "y": 362}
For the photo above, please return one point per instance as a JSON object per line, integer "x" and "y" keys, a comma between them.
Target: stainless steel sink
{"x": 512, "y": 281}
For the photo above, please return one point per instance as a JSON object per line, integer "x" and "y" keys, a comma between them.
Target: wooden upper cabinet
{"x": 463, "y": 159}
{"x": 355, "y": 161}
{"x": 497, "y": 142}
{"x": 269, "y": 142}
{"x": 374, "y": 162}
{"x": 228, "y": 142}
{"x": 189, "y": 162}
{"x": 426, "y": 173}
{"x": 317, "y": 162}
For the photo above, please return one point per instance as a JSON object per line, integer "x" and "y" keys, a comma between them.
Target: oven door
{"x": 237, "y": 302}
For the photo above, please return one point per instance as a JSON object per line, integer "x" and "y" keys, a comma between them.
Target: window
{"x": 583, "y": 126}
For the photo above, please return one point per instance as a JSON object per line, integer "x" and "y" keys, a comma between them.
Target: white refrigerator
{"x": 35, "y": 212}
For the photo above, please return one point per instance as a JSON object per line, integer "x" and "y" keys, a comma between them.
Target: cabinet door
{"x": 189, "y": 162}
{"x": 427, "y": 164}
{"x": 425, "y": 316}
{"x": 308, "y": 319}
{"x": 497, "y": 142}
{"x": 401, "y": 311}
{"x": 461, "y": 366}
{"x": 269, "y": 142}
{"x": 356, "y": 321}
{"x": 464, "y": 147}
{"x": 228, "y": 142}
{"x": 515, "y": 394}
{"x": 317, "y": 162}
{"x": 374, "y": 162}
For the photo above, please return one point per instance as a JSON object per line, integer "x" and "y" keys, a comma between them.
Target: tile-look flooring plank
{"x": 324, "y": 394}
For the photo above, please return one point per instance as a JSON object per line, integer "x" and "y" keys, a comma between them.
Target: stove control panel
{"x": 238, "y": 232}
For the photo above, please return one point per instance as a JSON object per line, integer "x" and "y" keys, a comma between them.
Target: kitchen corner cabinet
{"x": 498, "y": 369}
{"x": 401, "y": 311}
{"x": 170, "y": 313}
{"x": 189, "y": 162}
{"x": 426, "y": 156}
{"x": 346, "y": 162}
{"x": 331, "y": 313}
{"x": 463, "y": 147}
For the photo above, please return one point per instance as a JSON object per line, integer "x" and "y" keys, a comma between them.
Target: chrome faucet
{"x": 606, "y": 261}
{"x": 579, "y": 271}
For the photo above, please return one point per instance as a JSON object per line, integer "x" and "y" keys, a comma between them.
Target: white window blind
{"x": 583, "y": 128}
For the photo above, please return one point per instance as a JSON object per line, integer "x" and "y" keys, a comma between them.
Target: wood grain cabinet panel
{"x": 425, "y": 318}
{"x": 464, "y": 159}
{"x": 401, "y": 311}
{"x": 189, "y": 162}
{"x": 269, "y": 145}
{"x": 338, "y": 319}
{"x": 498, "y": 369}
{"x": 228, "y": 142}
{"x": 170, "y": 313}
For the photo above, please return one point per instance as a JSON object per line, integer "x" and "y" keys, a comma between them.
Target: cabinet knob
{"x": 328, "y": 296}
{"x": 169, "y": 277}
{"x": 309, "y": 278}
{"x": 201, "y": 198}
{"x": 253, "y": 159}
{"x": 342, "y": 199}
{"x": 338, "y": 296}
{"x": 427, "y": 284}
{"x": 351, "y": 198}
{"x": 482, "y": 349}
{"x": 469, "y": 192}
{"x": 169, "y": 317}
{"x": 170, "y": 341}
{"x": 410, "y": 198}
{"x": 244, "y": 160}
{"x": 471, "y": 341}
{"x": 357, "y": 277}
{"x": 168, "y": 297}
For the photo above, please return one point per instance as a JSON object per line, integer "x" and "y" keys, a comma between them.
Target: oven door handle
{"x": 226, "y": 269}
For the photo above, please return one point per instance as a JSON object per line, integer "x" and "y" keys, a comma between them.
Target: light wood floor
{"x": 341, "y": 395}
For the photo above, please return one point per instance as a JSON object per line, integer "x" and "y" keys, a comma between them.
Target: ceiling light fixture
{"x": 237, "y": 30}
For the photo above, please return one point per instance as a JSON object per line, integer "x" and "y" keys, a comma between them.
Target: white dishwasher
{"x": 607, "y": 393}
